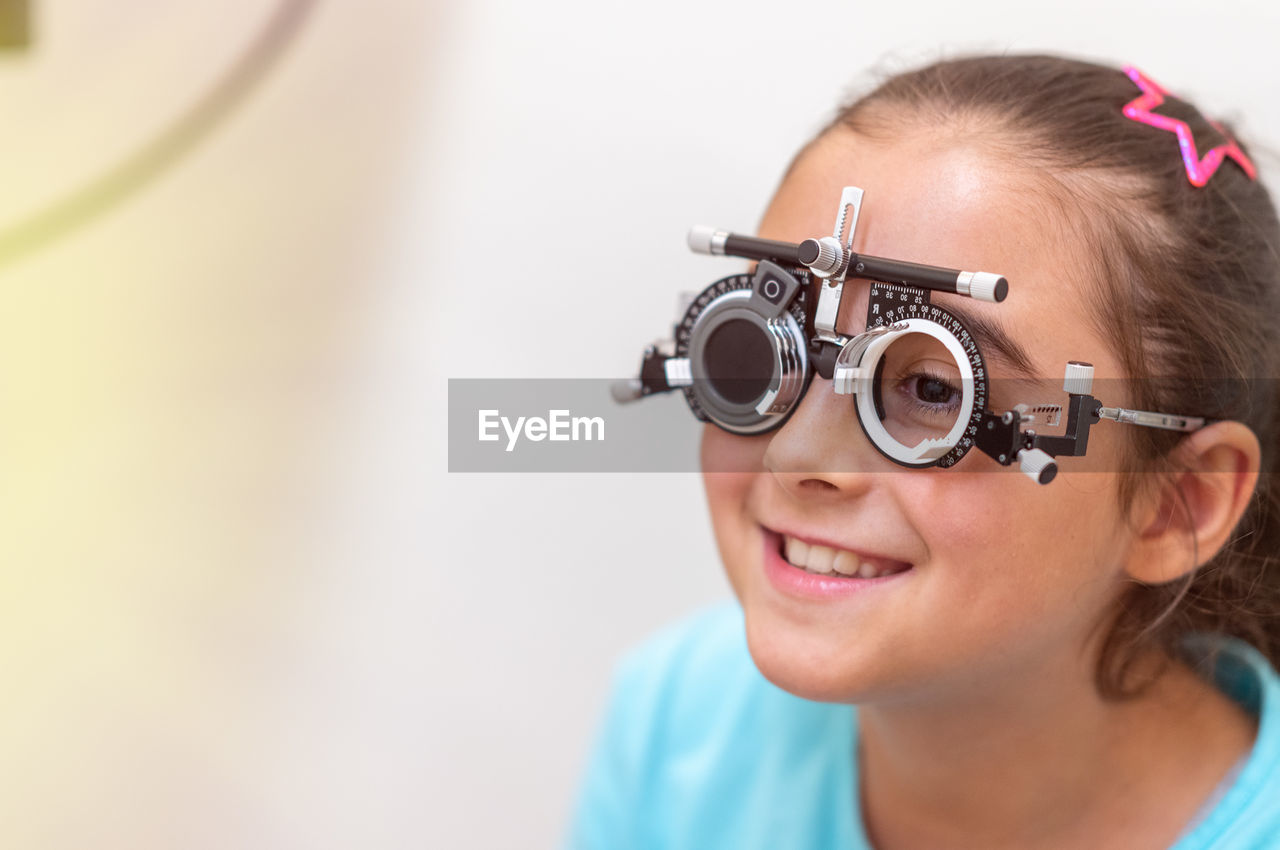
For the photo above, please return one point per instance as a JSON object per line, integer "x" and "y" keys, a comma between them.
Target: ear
{"x": 1188, "y": 519}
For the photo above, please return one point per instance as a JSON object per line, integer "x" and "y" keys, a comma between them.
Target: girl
{"x": 953, "y": 658}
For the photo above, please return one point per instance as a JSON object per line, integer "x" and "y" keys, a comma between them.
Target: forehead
{"x": 946, "y": 203}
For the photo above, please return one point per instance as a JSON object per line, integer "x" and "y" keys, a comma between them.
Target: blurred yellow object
{"x": 15, "y": 24}
{"x": 150, "y": 140}
{"x": 171, "y": 393}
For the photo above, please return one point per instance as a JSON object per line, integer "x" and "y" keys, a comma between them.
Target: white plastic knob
{"x": 626, "y": 391}
{"x": 1079, "y": 378}
{"x": 1038, "y": 465}
{"x": 984, "y": 285}
{"x": 700, "y": 238}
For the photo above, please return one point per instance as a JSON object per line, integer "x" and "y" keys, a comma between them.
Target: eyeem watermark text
{"x": 559, "y": 426}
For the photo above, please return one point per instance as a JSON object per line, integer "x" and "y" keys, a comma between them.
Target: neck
{"x": 1044, "y": 761}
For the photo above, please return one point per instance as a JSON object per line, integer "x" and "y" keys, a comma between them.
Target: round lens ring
{"x": 916, "y": 390}
{"x": 747, "y": 356}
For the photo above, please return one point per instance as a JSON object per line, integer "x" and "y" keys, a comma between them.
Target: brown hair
{"x": 1192, "y": 279}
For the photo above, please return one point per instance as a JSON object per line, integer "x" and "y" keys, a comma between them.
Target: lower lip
{"x": 793, "y": 581}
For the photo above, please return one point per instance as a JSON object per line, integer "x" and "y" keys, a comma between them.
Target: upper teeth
{"x": 824, "y": 559}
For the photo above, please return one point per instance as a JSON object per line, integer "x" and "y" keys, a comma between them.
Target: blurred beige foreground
{"x": 168, "y": 373}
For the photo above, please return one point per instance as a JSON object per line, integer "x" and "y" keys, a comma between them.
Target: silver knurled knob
{"x": 1038, "y": 465}
{"x": 1079, "y": 378}
{"x": 830, "y": 256}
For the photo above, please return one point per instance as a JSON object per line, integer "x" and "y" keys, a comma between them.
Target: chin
{"x": 809, "y": 666}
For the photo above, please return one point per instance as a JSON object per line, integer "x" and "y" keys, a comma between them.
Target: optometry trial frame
{"x": 745, "y": 350}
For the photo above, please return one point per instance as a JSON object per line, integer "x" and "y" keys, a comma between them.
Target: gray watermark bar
{"x": 566, "y": 425}
{"x": 574, "y": 425}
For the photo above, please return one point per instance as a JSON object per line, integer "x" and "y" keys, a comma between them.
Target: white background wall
{"x": 616, "y": 126}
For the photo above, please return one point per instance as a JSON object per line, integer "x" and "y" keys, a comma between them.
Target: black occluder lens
{"x": 738, "y": 358}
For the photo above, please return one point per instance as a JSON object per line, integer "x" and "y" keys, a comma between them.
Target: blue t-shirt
{"x": 699, "y": 751}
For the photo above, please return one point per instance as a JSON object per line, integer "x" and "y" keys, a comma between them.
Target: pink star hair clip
{"x": 1198, "y": 170}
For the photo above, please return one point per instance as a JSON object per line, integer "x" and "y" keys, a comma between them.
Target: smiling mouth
{"x": 827, "y": 561}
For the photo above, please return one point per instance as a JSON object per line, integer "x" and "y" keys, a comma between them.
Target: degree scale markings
{"x": 912, "y": 303}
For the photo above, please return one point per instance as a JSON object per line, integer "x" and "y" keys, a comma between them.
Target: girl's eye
{"x": 930, "y": 393}
{"x": 934, "y": 391}
{"x": 922, "y": 402}
{"x": 919, "y": 390}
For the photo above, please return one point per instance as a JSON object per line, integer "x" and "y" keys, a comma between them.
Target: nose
{"x": 821, "y": 451}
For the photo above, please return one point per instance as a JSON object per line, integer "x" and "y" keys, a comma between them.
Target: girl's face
{"x": 999, "y": 577}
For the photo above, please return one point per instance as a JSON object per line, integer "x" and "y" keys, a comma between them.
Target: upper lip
{"x": 816, "y": 540}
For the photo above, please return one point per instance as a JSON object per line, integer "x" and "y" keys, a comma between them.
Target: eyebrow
{"x": 991, "y": 334}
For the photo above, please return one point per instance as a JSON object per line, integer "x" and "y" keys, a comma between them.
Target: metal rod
{"x": 1168, "y": 422}
{"x": 983, "y": 286}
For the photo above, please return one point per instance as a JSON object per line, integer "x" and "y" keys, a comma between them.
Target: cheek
{"x": 1027, "y": 556}
{"x": 982, "y": 507}
{"x": 731, "y": 466}
{"x": 723, "y": 452}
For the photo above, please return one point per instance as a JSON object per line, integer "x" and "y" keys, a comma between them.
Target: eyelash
{"x": 908, "y": 381}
